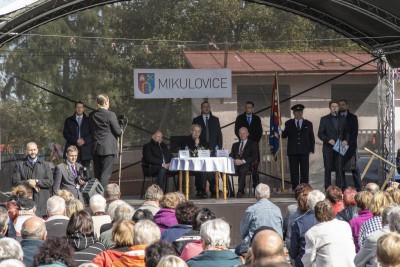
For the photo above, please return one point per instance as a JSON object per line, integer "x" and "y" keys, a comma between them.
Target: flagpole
{"x": 280, "y": 135}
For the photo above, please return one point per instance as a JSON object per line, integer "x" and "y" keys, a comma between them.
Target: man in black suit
{"x": 253, "y": 123}
{"x": 66, "y": 175}
{"x": 244, "y": 153}
{"x": 352, "y": 133}
{"x": 193, "y": 142}
{"x": 211, "y": 134}
{"x": 331, "y": 128}
{"x": 37, "y": 174}
{"x": 156, "y": 154}
{"x": 105, "y": 129}
{"x": 301, "y": 143}
{"x": 77, "y": 133}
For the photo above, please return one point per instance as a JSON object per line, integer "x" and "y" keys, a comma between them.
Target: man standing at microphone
{"x": 156, "y": 154}
{"x": 105, "y": 129}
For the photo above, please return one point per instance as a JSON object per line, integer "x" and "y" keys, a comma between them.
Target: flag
{"x": 275, "y": 119}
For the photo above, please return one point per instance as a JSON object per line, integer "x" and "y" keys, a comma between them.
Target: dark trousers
{"x": 331, "y": 163}
{"x": 161, "y": 173}
{"x": 102, "y": 165}
{"x": 355, "y": 173}
{"x": 200, "y": 181}
{"x": 241, "y": 172}
{"x": 296, "y": 161}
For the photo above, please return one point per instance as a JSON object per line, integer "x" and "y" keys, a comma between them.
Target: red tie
{"x": 241, "y": 148}
{"x": 73, "y": 169}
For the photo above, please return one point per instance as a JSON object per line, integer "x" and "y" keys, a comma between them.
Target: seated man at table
{"x": 156, "y": 154}
{"x": 244, "y": 153}
{"x": 193, "y": 143}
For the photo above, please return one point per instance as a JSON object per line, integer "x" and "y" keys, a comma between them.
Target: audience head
{"x": 12, "y": 263}
{"x": 80, "y": 223}
{"x": 170, "y": 201}
{"x": 55, "y": 249}
{"x": 55, "y": 206}
{"x": 34, "y": 228}
{"x": 313, "y": 197}
{"x": 10, "y": 249}
{"x": 363, "y": 199}
{"x": 154, "y": 193}
{"x": 73, "y": 206}
{"x": 185, "y": 212}
{"x": 334, "y": 194}
{"x": 146, "y": 232}
{"x": 215, "y": 233}
{"x": 388, "y": 250}
{"x": 267, "y": 246}
{"x": 88, "y": 264}
{"x": 142, "y": 214}
{"x": 348, "y": 197}
{"x": 122, "y": 233}
{"x": 201, "y": 217}
{"x": 380, "y": 201}
{"x": 262, "y": 191}
{"x": 300, "y": 188}
{"x": 112, "y": 192}
{"x": 98, "y": 203}
{"x": 22, "y": 191}
{"x": 156, "y": 251}
{"x": 394, "y": 219}
{"x": 113, "y": 206}
{"x": 181, "y": 196}
{"x": 386, "y": 212}
{"x": 171, "y": 261}
{"x": 26, "y": 206}
{"x": 65, "y": 194}
{"x": 4, "y": 218}
{"x": 372, "y": 188}
{"x": 324, "y": 211}
{"x": 123, "y": 212}
{"x": 394, "y": 194}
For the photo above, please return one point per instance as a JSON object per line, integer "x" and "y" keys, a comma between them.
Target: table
{"x": 218, "y": 165}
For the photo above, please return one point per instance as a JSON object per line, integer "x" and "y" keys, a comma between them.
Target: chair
{"x": 147, "y": 173}
{"x": 250, "y": 172}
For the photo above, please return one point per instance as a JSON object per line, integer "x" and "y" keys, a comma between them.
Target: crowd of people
{"x": 337, "y": 228}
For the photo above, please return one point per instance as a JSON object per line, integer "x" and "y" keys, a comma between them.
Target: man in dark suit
{"x": 244, "y": 152}
{"x": 156, "y": 154}
{"x": 66, "y": 175}
{"x": 37, "y": 174}
{"x": 211, "y": 134}
{"x": 301, "y": 143}
{"x": 331, "y": 128}
{"x": 77, "y": 133}
{"x": 105, "y": 129}
{"x": 193, "y": 142}
{"x": 352, "y": 133}
{"x": 253, "y": 123}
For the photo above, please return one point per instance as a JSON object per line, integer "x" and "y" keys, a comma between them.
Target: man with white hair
{"x": 98, "y": 206}
{"x": 263, "y": 213}
{"x": 145, "y": 233}
{"x": 215, "y": 239}
{"x": 112, "y": 192}
{"x": 10, "y": 249}
{"x": 372, "y": 187}
{"x": 57, "y": 222}
{"x": 390, "y": 222}
{"x": 153, "y": 195}
{"x": 301, "y": 226}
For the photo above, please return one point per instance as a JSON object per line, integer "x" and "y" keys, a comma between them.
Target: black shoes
{"x": 239, "y": 194}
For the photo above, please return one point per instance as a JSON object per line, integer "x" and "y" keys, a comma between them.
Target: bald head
{"x": 33, "y": 228}
{"x": 267, "y": 246}
{"x": 372, "y": 187}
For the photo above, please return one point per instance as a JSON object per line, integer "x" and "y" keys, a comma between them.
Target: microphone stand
{"x": 120, "y": 143}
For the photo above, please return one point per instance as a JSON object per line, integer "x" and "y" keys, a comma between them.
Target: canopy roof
{"x": 374, "y": 24}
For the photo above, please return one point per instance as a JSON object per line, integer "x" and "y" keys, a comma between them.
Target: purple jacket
{"x": 355, "y": 224}
{"x": 165, "y": 218}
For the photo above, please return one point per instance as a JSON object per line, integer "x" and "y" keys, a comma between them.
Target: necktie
{"x": 74, "y": 170}
{"x": 335, "y": 122}
{"x": 207, "y": 131}
{"x": 79, "y": 120}
{"x": 249, "y": 120}
{"x": 241, "y": 148}
{"x": 298, "y": 125}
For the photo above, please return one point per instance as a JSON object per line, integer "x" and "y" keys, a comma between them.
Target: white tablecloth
{"x": 213, "y": 164}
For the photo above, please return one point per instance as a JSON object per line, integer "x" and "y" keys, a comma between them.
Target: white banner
{"x": 182, "y": 83}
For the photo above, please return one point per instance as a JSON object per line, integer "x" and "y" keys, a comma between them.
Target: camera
{"x": 82, "y": 174}
{"x": 122, "y": 121}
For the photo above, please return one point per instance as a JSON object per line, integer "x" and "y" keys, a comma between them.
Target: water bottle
{"x": 186, "y": 147}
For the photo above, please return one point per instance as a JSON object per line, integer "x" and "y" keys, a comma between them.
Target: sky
{"x": 5, "y": 2}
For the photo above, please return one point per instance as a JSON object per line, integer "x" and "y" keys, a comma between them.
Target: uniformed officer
{"x": 301, "y": 142}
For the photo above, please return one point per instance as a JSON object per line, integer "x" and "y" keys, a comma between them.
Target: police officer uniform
{"x": 300, "y": 144}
